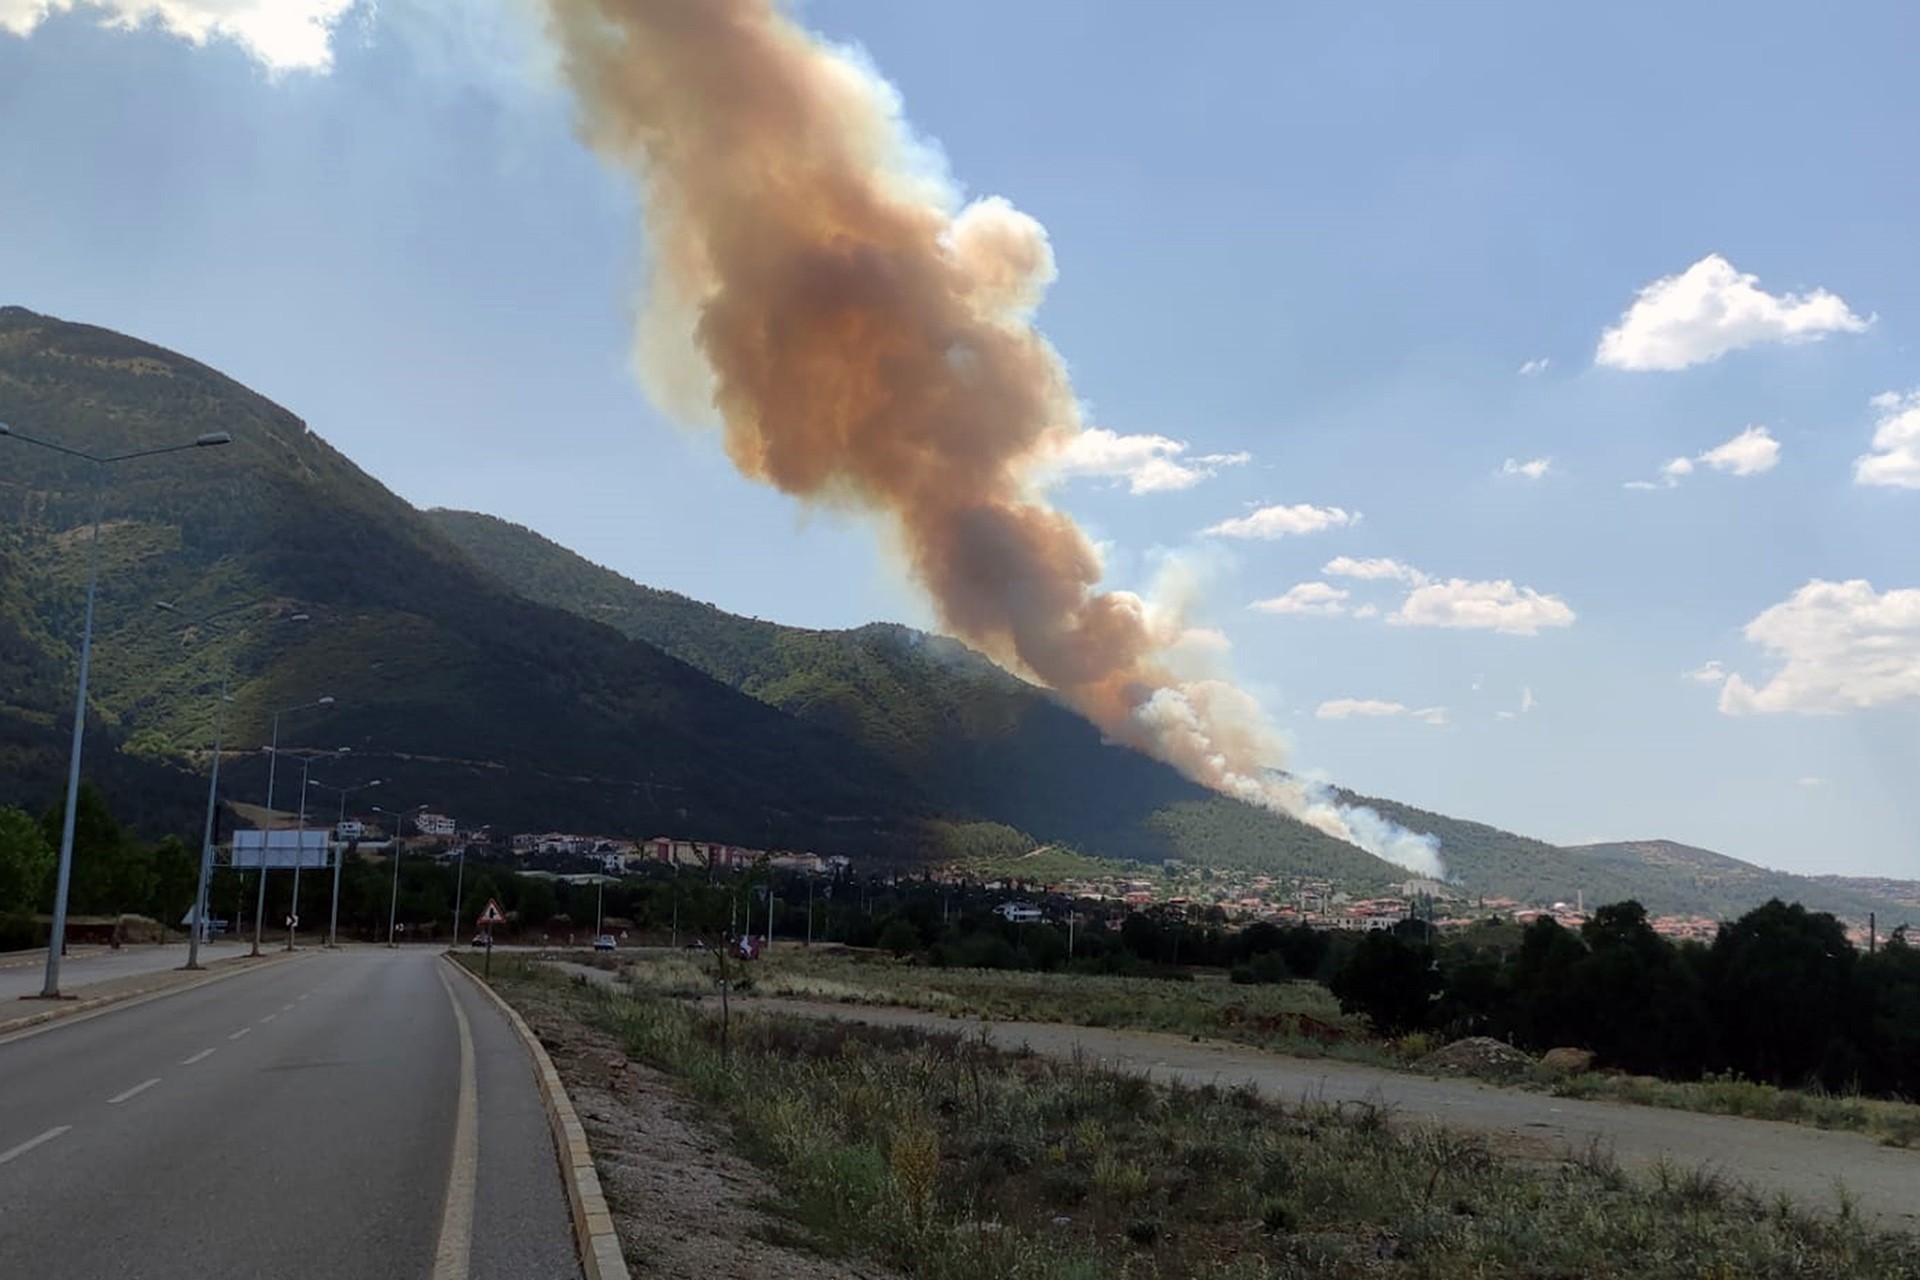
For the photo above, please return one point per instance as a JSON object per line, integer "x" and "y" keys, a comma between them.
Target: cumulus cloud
{"x": 1377, "y": 569}
{"x": 1811, "y": 782}
{"x": 1269, "y": 523}
{"x": 1842, "y": 646}
{"x": 1532, "y": 469}
{"x": 1318, "y": 598}
{"x": 1712, "y": 672}
{"x": 1710, "y": 309}
{"x": 1148, "y": 463}
{"x": 1750, "y": 453}
{"x": 1533, "y": 367}
{"x": 1747, "y": 454}
{"x": 1527, "y": 702}
{"x": 282, "y": 35}
{"x": 1488, "y": 606}
{"x": 1349, "y": 708}
{"x": 1895, "y": 456}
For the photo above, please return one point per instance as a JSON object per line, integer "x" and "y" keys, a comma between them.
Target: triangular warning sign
{"x": 493, "y": 914}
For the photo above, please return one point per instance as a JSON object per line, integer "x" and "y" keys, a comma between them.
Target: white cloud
{"x": 1710, "y": 309}
{"x": 1489, "y": 606}
{"x": 1527, "y": 702}
{"x": 1149, "y": 464}
{"x": 1379, "y": 569}
{"x": 282, "y": 35}
{"x": 1367, "y": 611}
{"x": 1532, "y": 469}
{"x": 1711, "y": 673}
{"x": 1506, "y": 715}
{"x": 1320, "y": 598}
{"x": 1811, "y": 782}
{"x": 1376, "y": 708}
{"x": 1279, "y": 522}
{"x": 1747, "y": 454}
{"x": 1895, "y": 458}
{"x": 1532, "y": 367}
{"x": 1346, "y": 708}
{"x": 1843, "y": 645}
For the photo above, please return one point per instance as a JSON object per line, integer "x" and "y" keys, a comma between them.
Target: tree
{"x": 899, "y": 936}
{"x": 1390, "y": 980}
{"x": 1780, "y": 981}
{"x": 26, "y": 862}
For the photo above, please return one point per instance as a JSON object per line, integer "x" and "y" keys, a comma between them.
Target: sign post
{"x": 489, "y": 917}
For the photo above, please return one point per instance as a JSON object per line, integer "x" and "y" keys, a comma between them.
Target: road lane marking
{"x": 286, "y": 1008}
{"x": 450, "y": 1257}
{"x": 305, "y": 994}
{"x": 138, "y": 1089}
{"x": 201, "y": 1056}
{"x": 242, "y": 1031}
{"x": 270, "y": 1017}
{"x": 31, "y": 1143}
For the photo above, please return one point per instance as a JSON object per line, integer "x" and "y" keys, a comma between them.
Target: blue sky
{"x": 1330, "y": 238}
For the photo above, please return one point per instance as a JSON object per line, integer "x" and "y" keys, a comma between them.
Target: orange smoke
{"x": 865, "y": 341}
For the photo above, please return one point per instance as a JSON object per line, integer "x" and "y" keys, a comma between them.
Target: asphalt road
{"x": 304, "y": 1119}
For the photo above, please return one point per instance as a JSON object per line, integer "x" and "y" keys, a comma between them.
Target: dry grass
{"x": 941, "y": 1157}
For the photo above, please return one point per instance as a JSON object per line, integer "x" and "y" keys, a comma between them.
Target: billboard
{"x": 280, "y": 849}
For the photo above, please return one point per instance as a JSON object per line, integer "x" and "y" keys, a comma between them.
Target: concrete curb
{"x": 79, "y": 1010}
{"x": 600, "y": 1256}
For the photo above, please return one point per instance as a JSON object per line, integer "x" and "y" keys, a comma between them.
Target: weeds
{"x": 944, "y": 1159}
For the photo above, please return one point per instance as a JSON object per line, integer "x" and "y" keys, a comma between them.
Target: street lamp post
{"x": 57, "y": 936}
{"x": 273, "y": 761}
{"x": 393, "y": 901}
{"x": 200, "y": 904}
{"x": 333, "y": 918}
{"x": 459, "y": 885}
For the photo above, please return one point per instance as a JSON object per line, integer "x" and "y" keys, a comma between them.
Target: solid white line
{"x": 450, "y": 1257}
{"x": 242, "y": 1031}
{"x": 31, "y": 1143}
{"x": 201, "y": 1056}
{"x": 142, "y": 1087}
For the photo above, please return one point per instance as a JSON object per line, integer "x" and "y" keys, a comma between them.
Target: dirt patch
{"x": 684, "y": 1205}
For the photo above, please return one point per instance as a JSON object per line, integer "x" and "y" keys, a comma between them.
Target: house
{"x": 435, "y": 824}
{"x": 1019, "y": 912}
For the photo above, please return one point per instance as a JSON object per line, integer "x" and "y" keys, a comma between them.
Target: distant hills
{"x": 484, "y": 669}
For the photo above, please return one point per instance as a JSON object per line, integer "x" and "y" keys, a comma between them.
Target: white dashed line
{"x": 242, "y": 1031}
{"x": 140, "y": 1088}
{"x": 201, "y": 1056}
{"x": 270, "y": 1017}
{"x": 31, "y": 1143}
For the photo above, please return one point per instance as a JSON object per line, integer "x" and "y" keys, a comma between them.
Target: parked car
{"x": 604, "y": 942}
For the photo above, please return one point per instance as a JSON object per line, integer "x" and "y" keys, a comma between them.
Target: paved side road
{"x": 25, "y": 977}
{"x": 303, "y": 1119}
{"x": 1807, "y": 1164}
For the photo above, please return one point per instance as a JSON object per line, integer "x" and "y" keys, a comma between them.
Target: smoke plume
{"x": 865, "y": 339}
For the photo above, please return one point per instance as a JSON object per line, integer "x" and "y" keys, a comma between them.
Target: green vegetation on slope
{"x": 456, "y": 691}
{"x": 979, "y": 741}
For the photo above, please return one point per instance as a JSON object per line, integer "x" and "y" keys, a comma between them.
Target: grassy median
{"x": 939, "y": 1156}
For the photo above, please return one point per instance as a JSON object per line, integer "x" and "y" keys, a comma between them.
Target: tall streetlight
{"x": 57, "y": 936}
{"x": 213, "y": 784}
{"x": 273, "y": 760}
{"x": 393, "y": 901}
{"x": 300, "y": 848}
{"x": 333, "y": 918}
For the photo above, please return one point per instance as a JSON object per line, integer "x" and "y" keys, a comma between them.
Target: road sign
{"x": 493, "y": 914}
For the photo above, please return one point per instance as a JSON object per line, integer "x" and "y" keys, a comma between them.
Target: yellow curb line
{"x": 80, "y": 1010}
{"x": 593, "y": 1231}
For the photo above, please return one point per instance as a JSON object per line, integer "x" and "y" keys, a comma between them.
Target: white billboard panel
{"x": 280, "y": 849}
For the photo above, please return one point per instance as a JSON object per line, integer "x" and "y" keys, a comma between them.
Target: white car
{"x": 604, "y": 942}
